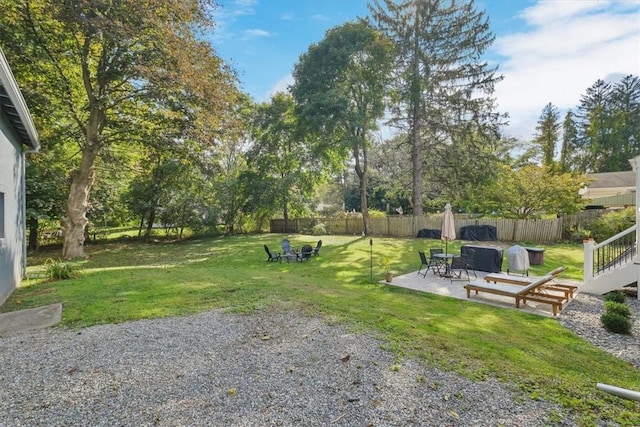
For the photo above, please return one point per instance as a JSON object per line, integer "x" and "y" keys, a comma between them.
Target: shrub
{"x": 60, "y": 270}
{"x": 616, "y": 296}
{"x": 616, "y": 323}
{"x": 618, "y": 308}
{"x": 612, "y": 223}
{"x": 319, "y": 229}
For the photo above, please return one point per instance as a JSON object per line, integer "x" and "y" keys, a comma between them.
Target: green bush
{"x": 612, "y": 223}
{"x": 319, "y": 229}
{"x": 618, "y": 308}
{"x": 616, "y": 296}
{"x": 617, "y": 323}
{"x": 60, "y": 270}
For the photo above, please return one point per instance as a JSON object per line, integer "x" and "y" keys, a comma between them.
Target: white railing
{"x": 612, "y": 254}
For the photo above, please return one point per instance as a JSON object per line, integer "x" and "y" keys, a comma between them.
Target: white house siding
{"x": 11, "y": 243}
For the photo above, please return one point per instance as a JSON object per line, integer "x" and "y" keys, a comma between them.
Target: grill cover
{"x": 518, "y": 258}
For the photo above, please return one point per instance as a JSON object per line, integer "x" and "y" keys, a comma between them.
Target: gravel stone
{"x": 262, "y": 369}
{"x": 582, "y": 316}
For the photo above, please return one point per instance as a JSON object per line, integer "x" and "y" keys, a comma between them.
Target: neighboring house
{"x": 18, "y": 136}
{"x": 611, "y": 189}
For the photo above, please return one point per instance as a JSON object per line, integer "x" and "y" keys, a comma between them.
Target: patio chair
{"x": 287, "y": 252}
{"x": 272, "y": 256}
{"x": 458, "y": 266}
{"x": 437, "y": 265}
{"x": 567, "y": 289}
{"x": 316, "y": 250}
{"x": 424, "y": 263}
{"x": 305, "y": 253}
{"x": 470, "y": 261}
{"x": 531, "y": 292}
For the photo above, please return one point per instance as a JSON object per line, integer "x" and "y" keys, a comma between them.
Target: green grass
{"x": 128, "y": 281}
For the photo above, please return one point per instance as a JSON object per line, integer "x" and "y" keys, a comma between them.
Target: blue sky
{"x": 547, "y": 50}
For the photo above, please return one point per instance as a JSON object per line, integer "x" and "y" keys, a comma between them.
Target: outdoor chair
{"x": 316, "y": 250}
{"x": 532, "y": 292}
{"x": 470, "y": 261}
{"x": 272, "y": 256}
{"x": 287, "y": 252}
{"x": 305, "y": 253}
{"x": 425, "y": 263}
{"x": 459, "y": 266}
{"x": 437, "y": 265}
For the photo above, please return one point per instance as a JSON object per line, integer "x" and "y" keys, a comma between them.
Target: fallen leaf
{"x": 346, "y": 358}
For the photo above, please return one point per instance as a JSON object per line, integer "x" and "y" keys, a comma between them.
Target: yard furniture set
{"x": 292, "y": 254}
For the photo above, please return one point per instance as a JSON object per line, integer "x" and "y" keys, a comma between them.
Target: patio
{"x": 435, "y": 284}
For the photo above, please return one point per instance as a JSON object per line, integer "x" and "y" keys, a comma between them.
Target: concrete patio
{"x": 435, "y": 284}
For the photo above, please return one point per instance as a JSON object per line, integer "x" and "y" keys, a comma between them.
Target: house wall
{"x": 12, "y": 229}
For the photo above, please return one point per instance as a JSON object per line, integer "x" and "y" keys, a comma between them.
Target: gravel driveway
{"x": 220, "y": 369}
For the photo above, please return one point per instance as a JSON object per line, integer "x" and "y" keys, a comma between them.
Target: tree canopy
{"x": 116, "y": 69}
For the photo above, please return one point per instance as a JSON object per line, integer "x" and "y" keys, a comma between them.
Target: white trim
{"x": 11, "y": 87}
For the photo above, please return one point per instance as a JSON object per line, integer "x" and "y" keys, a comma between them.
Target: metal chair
{"x": 459, "y": 264}
{"x": 470, "y": 261}
{"x": 425, "y": 262}
{"x": 436, "y": 264}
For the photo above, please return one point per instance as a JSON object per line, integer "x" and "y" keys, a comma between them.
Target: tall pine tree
{"x": 569, "y": 142}
{"x": 443, "y": 90}
{"x": 547, "y": 133}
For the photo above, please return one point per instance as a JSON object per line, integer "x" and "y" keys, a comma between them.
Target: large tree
{"x": 116, "y": 67}
{"x": 569, "y": 142}
{"x": 339, "y": 90}
{"x": 443, "y": 89}
{"x": 530, "y": 191}
{"x": 547, "y": 134}
{"x": 283, "y": 170}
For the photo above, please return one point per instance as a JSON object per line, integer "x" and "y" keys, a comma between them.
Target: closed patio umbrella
{"x": 448, "y": 227}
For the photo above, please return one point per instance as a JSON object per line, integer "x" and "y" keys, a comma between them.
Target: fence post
{"x": 588, "y": 259}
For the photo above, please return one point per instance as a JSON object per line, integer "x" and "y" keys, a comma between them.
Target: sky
{"x": 549, "y": 51}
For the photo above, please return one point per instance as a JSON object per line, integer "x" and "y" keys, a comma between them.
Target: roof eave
{"x": 17, "y": 110}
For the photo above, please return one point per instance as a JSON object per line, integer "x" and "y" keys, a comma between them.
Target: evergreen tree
{"x": 569, "y": 142}
{"x": 547, "y": 134}
{"x": 594, "y": 136}
{"x": 442, "y": 91}
{"x": 609, "y": 125}
{"x": 625, "y": 122}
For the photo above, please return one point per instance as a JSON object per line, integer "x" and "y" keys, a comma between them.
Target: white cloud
{"x": 289, "y": 16}
{"x": 559, "y": 10}
{"x": 256, "y": 32}
{"x": 566, "y": 48}
{"x": 281, "y": 85}
{"x": 227, "y": 14}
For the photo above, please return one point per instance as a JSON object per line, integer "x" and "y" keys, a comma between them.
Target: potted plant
{"x": 386, "y": 264}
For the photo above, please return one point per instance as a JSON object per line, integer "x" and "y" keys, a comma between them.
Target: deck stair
{"x": 610, "y": 265}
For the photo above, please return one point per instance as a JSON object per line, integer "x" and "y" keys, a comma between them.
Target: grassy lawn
{"x": 128, "y": 281}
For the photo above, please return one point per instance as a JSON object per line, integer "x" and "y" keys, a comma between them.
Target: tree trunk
{"x": 33, "y": 234}
{"x": 150, "y": 221}
{"x": 416, "y": 159}
{"x": 75, "y": 221}
{"x": 362, "y": 172}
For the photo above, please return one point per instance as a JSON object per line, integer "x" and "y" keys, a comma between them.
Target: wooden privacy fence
{"x": 521, "y": 230}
